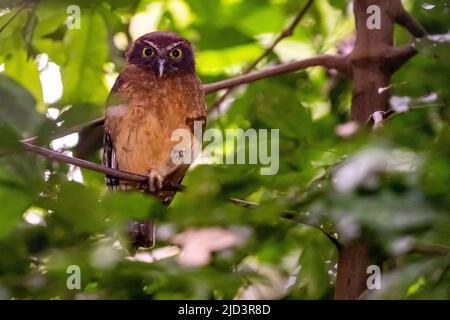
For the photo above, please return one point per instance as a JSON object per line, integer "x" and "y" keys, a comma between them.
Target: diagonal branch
{"x": 91, "y": 124}
{"x": 290, "y": 215}
{"x": 432, "y": 249}
{"x": 328, "y": 61}
{"x": 167, "y": 185}
{"x": 22, "y": 6}
{"x": 58, "y": 156}
{"x": 289, "y": 31}
{"x": 405, "y": 19}
{"x": 284, "y": 34}
{"x": 397, "y": 57}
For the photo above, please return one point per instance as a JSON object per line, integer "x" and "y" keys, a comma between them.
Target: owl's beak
{"x": 161, "y": 67}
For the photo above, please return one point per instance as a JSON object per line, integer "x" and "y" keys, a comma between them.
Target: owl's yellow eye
{"x": 147, "y": 52}
{"x": 176, "y": 53}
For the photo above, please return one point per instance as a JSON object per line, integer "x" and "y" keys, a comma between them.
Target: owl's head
{"x": 163, "y": 53}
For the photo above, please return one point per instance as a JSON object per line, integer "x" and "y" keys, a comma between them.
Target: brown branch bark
{"x": 374, "y": 58}
{"x": 327, "y": 61}
{"x": 58, "y": 156}
{"x": 351, "y": 274}
{"x": 284, "y": 34}
{"x": 429, "y": 248}
{"x": 406, "y": 20}
{"x": 397, "y": 57}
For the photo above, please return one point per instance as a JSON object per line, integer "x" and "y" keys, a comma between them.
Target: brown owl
{"x": 157, "y": 93}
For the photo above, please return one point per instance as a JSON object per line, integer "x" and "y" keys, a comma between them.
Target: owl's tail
{"x": 142, "y": 233}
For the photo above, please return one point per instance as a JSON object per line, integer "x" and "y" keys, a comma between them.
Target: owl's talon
{"x": 155, "y": 181}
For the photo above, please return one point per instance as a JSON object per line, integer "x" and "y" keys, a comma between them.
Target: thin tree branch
{"x": 327, "y": 61}
{"x": 244, "y": 203}
{"x": 22, "y": 6}
{"x": 167, "y": 185}
{"x": 405, "y": 19}
{"x": 288, "y": 31}
{"x": 397, "y": 57}
{"x": 418, "y": 246}
{"x": 92, "y": 124}
{"x": 127, "y": 176}
{"x": 290, "y": 215}
{"x": 122, "y": 175}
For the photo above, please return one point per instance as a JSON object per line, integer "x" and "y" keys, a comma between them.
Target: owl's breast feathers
{"x": 142, "y": 113}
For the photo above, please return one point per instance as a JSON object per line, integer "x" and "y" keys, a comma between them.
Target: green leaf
{"x": 215, "y": 62}
{"x": 124, "y": 206}
{"x": 10, "y": 138}
{"x": 77, "y": 207}
{"x": 13, "y": 205}
{"x": 17, "y": 106}
{"x": 269, "y": 19}
{"x": 87, "y": 50}
{"x": 313, "y": 280}
{"x": 25, "y": 71}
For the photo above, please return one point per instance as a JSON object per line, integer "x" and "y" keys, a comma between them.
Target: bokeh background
{"x": 389, "y": 185}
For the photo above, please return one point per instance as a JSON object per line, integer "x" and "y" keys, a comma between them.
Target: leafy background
{"x": 52, "y": 216}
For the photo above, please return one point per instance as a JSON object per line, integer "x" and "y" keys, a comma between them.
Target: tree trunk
{"x": 351, "y": 276}
{"x": 371, "y": 65}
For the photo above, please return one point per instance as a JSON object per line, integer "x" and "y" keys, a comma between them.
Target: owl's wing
{"x": 109, "y": 156}
{"x": 109, "y": 159}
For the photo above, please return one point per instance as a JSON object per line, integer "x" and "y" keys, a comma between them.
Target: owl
{"x": 157, "y": 93}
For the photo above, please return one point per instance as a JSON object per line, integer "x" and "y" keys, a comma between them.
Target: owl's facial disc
{"x": 163, "y": 53}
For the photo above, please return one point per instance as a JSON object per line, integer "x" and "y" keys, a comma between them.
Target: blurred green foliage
{"x": 48, "y": 221}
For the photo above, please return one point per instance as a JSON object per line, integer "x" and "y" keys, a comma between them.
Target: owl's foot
{"x": 155, "y": 181}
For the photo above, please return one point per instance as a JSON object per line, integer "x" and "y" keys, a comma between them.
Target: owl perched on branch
{"x": 157, "y": 93}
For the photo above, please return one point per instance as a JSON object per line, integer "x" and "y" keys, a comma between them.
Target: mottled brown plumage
{"x": 156, "y": 93}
